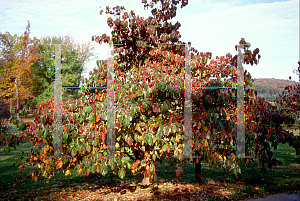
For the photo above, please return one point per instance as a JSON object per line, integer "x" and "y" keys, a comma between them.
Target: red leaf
{"x": 170, "y": 120}
{"x": 168, "y": 149}
{"x": 118, "y": 123}
{"x": 102, "y": 136}
{"x": 87, "y": 173}
{"x": 97, "y": 118}
{"x": 83, "y": 150}
{"x": 136, "y": 164}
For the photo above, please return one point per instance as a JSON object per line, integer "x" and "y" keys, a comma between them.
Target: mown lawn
{"x": 219, "y": 183}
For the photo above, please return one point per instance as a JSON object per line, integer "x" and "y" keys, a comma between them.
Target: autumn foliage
{"x": 150, "y": 116}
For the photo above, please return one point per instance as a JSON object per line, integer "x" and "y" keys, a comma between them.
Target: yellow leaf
{"x": 199, "y": 125}
{"x": 34, "y": 178}
{"x": 138, "y": 128}
{"x": 115, "y": 171}
{"x": 205, "y": 128}
{"x": 67, "y": 173}
{"x": 159, "y": 117}
{"x": 117, "y": 145}
{"x": 59, "y": 165}
{"x": 177, "y": 139}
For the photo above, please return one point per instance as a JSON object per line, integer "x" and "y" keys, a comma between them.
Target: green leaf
{"x": 75, "y": 116}
{"x": 39, "y": 133}
{"x": 133, "y": 111}
{"x": 121, "y": 173}
{"x": 164, "y": 148}
{"x": 143, "y": 117}
{"x": 220, "y": 124}
{"x": 80, "y": 148}
{"x": 73, "y": 152}
{"x": 154, "y": 157}
{"x": 88, "y": 109}
{"x": 81, "y": 120}
{"x": 134, "y": 89}
{"x": 46, "y": 133}
{"x": 83, "y": 98}
{"x": 150, "y": 140}
{"x": 129, "y": 165}
{"x": 154, "y": 91}
{"x": 88, "y": 148}
{"x": 65, "y": 137}
{"x": 127, "y": 122}
{"x": 69, "y": 127}
{"x": 173, "y": 129}
{"x": 145, "y": 106}
{"x": 146, "y": 139}
{"x": 21, "y": 125}
{"x": 105, "y": 169}
{"x": 75, "y": 133}
{"x": 93, "y": 169}
{"x": 92, "y": 118}
{"x": 166, "y": 106}
{"x": 214, "y": 133}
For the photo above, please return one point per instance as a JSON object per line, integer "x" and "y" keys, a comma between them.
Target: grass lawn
{"x": 219, "y": 183}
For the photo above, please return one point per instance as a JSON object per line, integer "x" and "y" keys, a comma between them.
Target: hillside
{"x": 270, "y": 88}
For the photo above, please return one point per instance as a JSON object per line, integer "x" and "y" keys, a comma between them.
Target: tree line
{"x": 27, "y": 68}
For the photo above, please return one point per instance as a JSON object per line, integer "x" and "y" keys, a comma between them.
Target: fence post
{"x": 240, "y": 138}
{"x": 58, "y": 130}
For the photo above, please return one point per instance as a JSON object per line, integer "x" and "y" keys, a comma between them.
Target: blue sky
{"x": 211, "y": 25}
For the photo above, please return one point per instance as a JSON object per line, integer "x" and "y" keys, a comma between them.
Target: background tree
{"x": 19, "y": 54}
{"x": 74, "y": 57}
{"x": 7, "y": 61}
{"x": 289, "y": 100}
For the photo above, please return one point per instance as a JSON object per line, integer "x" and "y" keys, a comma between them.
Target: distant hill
{"x": 270, "y": 88}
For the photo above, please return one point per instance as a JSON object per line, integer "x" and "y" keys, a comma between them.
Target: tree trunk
{"x": 10, "y": 107}
{"x": 198, "y": 168}
{"x": 146, "y": 179}
{"x": 17, "y": 97}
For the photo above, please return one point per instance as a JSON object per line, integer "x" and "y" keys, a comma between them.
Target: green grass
{"x": 281, "y": 179}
